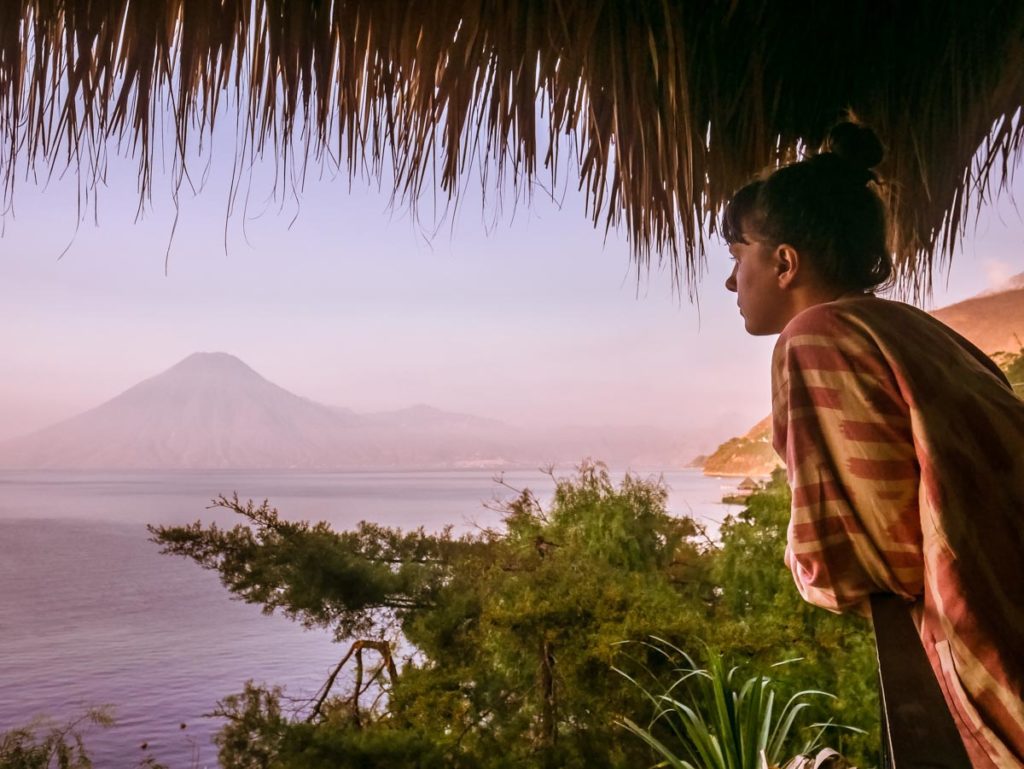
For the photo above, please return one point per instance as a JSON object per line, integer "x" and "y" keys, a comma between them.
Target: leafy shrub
{"x": 44, "y": 743}
{"x": 706, "y": 719}
{"x": 512, "y": 634}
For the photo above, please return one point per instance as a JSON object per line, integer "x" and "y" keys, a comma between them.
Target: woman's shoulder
{"x": 859, "y": 315}
{"x": 831, "y": 319}
{"x": 839, "y": 335}
{"x": 865, "y": 330}
{"x": 866, "y": 326}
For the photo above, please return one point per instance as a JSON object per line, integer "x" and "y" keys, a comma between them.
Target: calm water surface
{"x": 91, "y": 614}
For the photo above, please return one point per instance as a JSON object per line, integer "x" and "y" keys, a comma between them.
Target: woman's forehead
{"x": 748, "y": 234}
{"x": 745, "y": 247}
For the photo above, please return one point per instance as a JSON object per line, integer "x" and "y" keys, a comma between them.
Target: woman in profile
{"x": 904, "y": 444}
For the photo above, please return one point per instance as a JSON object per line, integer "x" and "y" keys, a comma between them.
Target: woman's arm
{"x": 845, "y": 434}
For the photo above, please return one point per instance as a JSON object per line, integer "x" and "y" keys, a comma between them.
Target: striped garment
{"x": 905, "y": 452}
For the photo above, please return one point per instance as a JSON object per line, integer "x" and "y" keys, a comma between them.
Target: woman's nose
{"x": 730, "y": 282}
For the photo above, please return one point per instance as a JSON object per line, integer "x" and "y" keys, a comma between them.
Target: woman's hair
{"x": 826, "y": 207}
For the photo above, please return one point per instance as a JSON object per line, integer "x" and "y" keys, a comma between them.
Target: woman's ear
{"x": 787, "y": 264}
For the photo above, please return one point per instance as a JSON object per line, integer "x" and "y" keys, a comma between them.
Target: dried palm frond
{"x": 668, "y": 105}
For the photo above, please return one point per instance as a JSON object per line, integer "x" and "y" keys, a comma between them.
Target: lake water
{"x": 92, "y": 614}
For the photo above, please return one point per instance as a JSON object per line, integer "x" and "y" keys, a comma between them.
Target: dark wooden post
{"x": 918, "y": 731}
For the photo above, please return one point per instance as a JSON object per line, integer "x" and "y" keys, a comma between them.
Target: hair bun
{"x": 855, "y": 143}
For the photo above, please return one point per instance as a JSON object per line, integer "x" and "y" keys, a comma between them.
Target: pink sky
{"x": 536, "y": 319}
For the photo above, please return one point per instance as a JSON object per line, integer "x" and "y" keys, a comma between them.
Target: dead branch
{"x": 383, "y": 648}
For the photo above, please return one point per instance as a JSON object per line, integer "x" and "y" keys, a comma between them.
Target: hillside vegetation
{"x": 748, "y": 455}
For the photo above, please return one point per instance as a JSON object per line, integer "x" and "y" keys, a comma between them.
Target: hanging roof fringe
{"x": 667, "y": 106}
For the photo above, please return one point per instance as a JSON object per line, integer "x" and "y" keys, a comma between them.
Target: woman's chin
{"x": 754, "y": 328}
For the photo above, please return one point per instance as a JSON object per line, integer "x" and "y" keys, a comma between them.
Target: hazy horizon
{"x": 537, "y": 319}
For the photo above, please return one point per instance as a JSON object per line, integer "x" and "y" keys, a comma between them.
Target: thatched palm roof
{"x": 667, "y": 105}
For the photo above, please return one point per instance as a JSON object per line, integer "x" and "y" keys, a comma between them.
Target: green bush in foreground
{"x": 48, "y": 744}
{"x": 707, "y": 719}
{"x": 44, "y": 743}
{"x": 509, "y": 637}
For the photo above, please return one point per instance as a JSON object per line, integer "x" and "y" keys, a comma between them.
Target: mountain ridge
{"x": 213, "y": 411}
{"x": 994, "y": 322}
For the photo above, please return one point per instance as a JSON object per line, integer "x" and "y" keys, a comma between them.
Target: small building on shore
{"x": 747, "y": 485}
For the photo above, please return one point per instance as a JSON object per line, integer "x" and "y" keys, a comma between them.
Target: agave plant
{"x": 713, "y": 720}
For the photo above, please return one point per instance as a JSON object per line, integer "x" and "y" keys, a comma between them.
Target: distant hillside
{"x": 994, "y": 321}
{"x": 750, "y": 454}
{"x": 212, "y": 411}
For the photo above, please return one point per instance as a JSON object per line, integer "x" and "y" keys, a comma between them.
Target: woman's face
{"x": 758, "y": 280}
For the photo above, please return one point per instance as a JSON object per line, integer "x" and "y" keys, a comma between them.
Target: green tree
{"x": 762, "y": 618}
{"x": 1012, "y": 364}
{"x": 514, "y": 631}
{"x": 510, "y": 636}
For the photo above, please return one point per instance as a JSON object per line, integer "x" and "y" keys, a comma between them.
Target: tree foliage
{"x": 44, "y": 744}
{"x": 350, "y": 582}
{"x": 48, "y": 744}
{"x": 761, "y": 617}
{"x": 510, "y": 637}
{"x": 1012, "y": 364}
